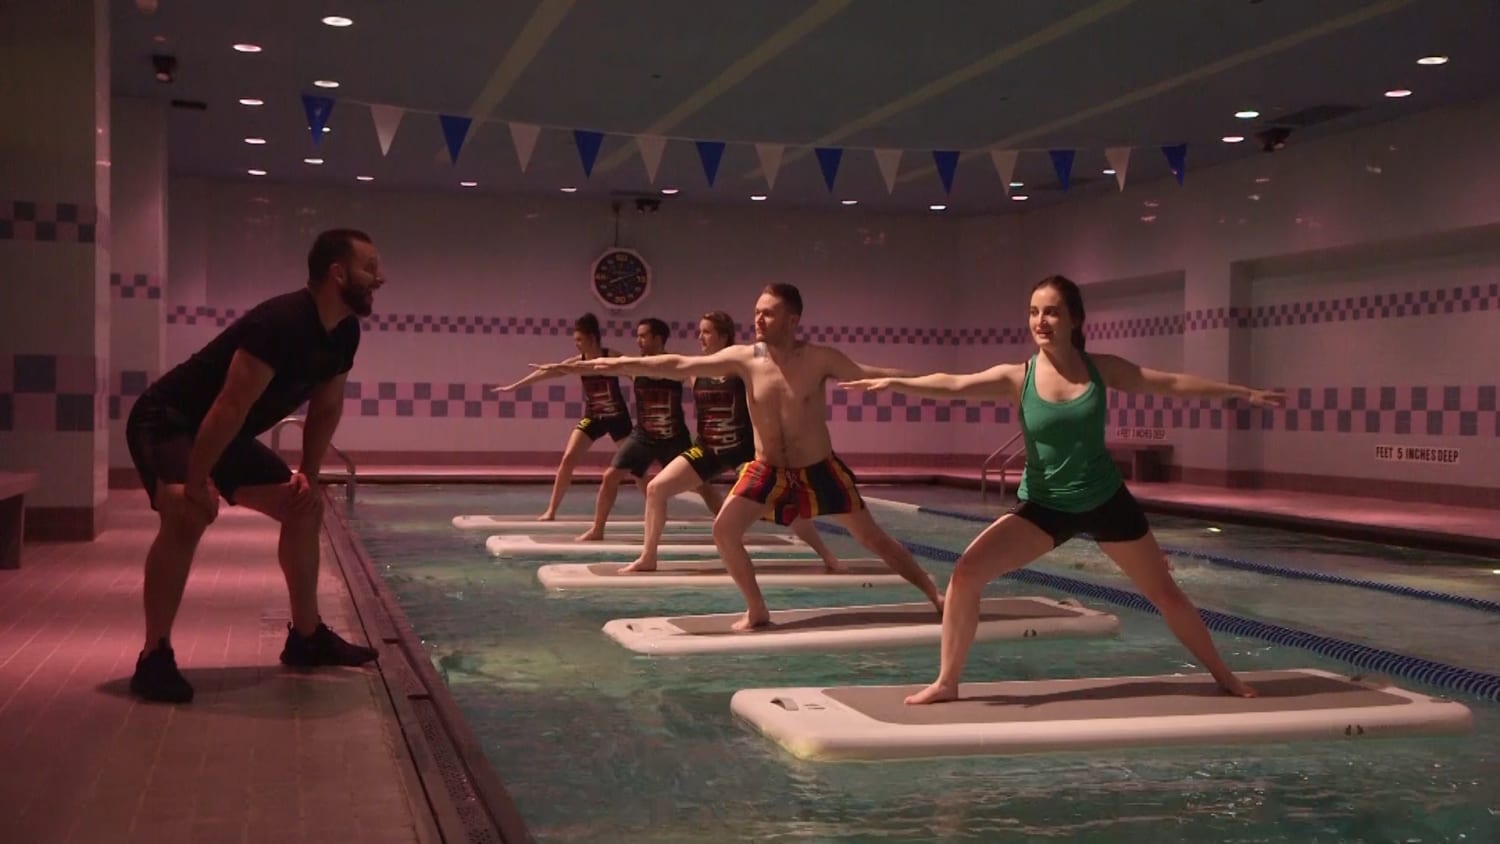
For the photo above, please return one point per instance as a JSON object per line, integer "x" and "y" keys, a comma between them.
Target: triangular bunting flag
{"x": 1177, "y": 160}
{"x": 770, "y": 161}
{"x": 651, "y": 147}
{"x": 828, "y": 159}
{"x": 318, "y": 109}
{"x": 454, "y": 130}
{"x": 523, "y": 135}
{"x": 588, "y": 148}
{"x": 1119, "y": 160}
{"x": 1005, "y": 166}
{"x": 889, "y": 162}
{"x": 947, "y": 162}
{"x": 387, "y": 119}
{"x": 1062, "y": 164}
{"x": 709, "y": 152}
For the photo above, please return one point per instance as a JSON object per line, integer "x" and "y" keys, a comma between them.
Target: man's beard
{"x": 358, "y": 299}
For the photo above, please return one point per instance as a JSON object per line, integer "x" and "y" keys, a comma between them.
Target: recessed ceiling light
{"x": 1151, "y": 203}
{"x": 468, "y": 184}
{"x": 569, "y": 190}
{"x": 1433, "y": 60}
{"x": 312, "y": 161}
{"x": 255, "y": 141}
{"x": 336, "y": 20}
{"x": 1148, "y": 218}
{"x": 1233, "y": 139}
{"x": 256, "y": 172}
{"x": 937, "y": 207}
{"x": 159, "y": 39}
{"x": 1018, "y": 184}
{"x": 1398, "y": 93}
{"x": 247, "y": 48}
{"x": 1254, "y": 197}
{"x": 669, "y": 191}
{"x": 325, "y": 83}
{"x": 251, "y": 101}
{"x": 365, "y": 178}
{"x": 1109, "y": 171}
{"x": 1019, "y": 197}
{"x": 1247, "y": 114}
{"x": 1260, "y": 180}
{"x": 849, "y": 201}
{"x": 759, "y": 197}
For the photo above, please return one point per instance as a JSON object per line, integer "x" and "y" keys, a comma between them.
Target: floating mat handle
{"x": 785, "y": 703}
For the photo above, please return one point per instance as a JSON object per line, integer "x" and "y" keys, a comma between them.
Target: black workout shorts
{"x": 1120, "y": 519}
{"x": 161, "y": 443}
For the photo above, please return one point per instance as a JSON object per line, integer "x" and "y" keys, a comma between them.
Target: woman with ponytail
{"x": 1071, "y": 484}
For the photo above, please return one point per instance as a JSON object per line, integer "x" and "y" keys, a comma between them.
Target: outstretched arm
{"x": 997, "y": 382}
{"x": 538, "y": 374}
{"x": 1121, "y": 374}
{"x": 728, "y": 361}
{"x": 840, "y": 366}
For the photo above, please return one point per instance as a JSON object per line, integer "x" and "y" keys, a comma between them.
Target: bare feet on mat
{"x": 935, "y": 693}
{"x": 752, "y": 622}
{"x": 590, "y": 535}
{"x": 639, "y": 565}
{"x": 1237, "y": 687}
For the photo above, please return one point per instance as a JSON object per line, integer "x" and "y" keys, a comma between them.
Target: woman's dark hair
{"x": 723, "y": 324}
{"x": 1073, "y": 298}
{"x": 588, "y": 324}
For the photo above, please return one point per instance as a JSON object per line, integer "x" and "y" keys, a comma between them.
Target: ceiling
{"x": 964, "y": 75}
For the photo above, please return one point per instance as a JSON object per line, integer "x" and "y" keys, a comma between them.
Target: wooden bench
{"x": 1147, "y": 461}
{"x": 13, "y": 489}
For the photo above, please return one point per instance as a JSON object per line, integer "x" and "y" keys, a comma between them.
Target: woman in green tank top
{"x": 1070, "y": 484}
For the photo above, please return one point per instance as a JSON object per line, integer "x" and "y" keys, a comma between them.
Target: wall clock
{"x": 621, "y": 278}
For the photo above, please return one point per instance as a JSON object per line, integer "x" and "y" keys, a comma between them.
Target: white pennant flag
{"x": 651, "y": 149}
{"x": 1119, "y": 159}
{"x": 387, "y": 119}
{"x": 770, "y": 161}
{"x": 889, "y": 161}
{"x": 523, "y": 135}
{"x": 1005, "y": 165}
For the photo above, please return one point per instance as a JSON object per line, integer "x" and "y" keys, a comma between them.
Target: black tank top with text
{"x": 723, "y": 415}
{"x": 602, "y": 398}
{"x": 658, "y": 408}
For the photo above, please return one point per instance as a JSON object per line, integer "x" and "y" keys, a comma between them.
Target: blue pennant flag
{"x": 1062, "y": 164}
{"x": 828, "y": 159}
{"x": 588, "y": 148}
{"x": 318, "y": 109}
{"x": 709, "y": 152}
{"x": 1177, "y": 160}
{"x": 947, "y": 162}
{"x": 454, "y": 130}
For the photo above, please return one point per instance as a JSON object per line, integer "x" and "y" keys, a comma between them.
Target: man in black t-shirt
{"x": 192, "y": 438}
{"x": 660, "y": 432}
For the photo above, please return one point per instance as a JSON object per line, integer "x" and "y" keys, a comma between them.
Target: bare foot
{"x": 547, "y": 517}
{"x": 835, "y": 566}
{"x": 640, "y": 564}
{"x": 751, "y": 622}
{"x": 935, "y": 693}
{"x": 1237, "y": 687}
{"x": 937, "y": 601}
{"x": 590, "y": 535}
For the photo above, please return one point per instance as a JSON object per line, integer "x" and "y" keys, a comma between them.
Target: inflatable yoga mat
{"x": 1013, "y": 717}
{"x": 527, "y": 546}
{"x": 569, "y": 523}
{"x": 858, "y": 627}
{"x": 695, "y": 574}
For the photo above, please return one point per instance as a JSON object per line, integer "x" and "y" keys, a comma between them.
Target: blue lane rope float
{"x": 1480, "y": 684}
{"x": 1285, "y": 571}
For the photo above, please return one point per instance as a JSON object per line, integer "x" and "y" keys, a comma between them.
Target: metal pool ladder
{"x": 351, "y": 482}
{"x": 984, "y": 468}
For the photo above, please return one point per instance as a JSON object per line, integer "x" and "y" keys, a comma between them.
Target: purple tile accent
{"x": 75, "y": 412}
{"x": 65, "y": 222}
{"x": 7, "y": 412}
{"x": 34, "y": 373}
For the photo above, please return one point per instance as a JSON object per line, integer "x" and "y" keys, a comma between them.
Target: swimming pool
{"x": 595, "y": 743}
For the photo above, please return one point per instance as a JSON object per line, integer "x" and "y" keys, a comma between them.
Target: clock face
{"x": 621, "y": 278}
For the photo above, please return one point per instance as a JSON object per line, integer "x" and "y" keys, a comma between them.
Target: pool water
{"x": 596, "y": 743}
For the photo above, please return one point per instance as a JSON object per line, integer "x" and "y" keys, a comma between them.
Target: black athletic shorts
{"x": 711, "y": 464}
{"x": 161, "y": 443}
{"x": 1120, "y": 519}
{"x": 638, "y": 452}
{"x": 618, "y": 427}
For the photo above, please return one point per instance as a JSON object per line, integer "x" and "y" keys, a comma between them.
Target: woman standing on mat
{"x": 604, "y": 410}
{"x": 1071, "y": 484}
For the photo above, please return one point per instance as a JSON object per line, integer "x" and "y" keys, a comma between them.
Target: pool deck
{"x": 369, "y": 755}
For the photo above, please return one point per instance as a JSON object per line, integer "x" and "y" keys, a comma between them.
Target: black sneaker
{"x": 323, "y": 647}
{"x": 157, "y": 679}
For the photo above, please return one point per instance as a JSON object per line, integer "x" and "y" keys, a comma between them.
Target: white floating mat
{"x": 573, "y": 523}
{"x": 1030, "y": 716}
{"x": 846, "y": 628}
{"x": 672, "y": 574}
{"x": 529, "y": 546}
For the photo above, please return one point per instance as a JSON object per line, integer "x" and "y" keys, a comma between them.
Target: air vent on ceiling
{"x": 1314, "y": 115}
{"x": 190, "y": 105}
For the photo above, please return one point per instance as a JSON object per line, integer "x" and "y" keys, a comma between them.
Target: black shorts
{"x": 618, "y": 427}
{"x": 1120, "y": 519}
{"x": 638, "y": 452}
{"x": 710, "y": 464}
{"x": 161, "y": 443}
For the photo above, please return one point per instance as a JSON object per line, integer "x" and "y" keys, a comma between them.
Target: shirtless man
{"x": 795, "y": 473}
